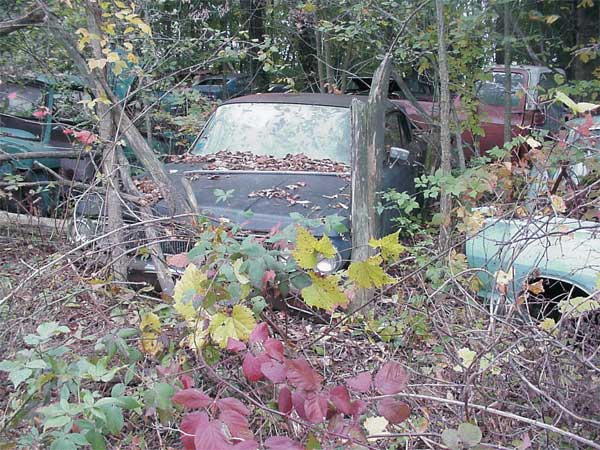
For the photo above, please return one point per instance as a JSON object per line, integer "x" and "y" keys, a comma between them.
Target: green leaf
{"x": 469, "y": 434}
{"x": 237, "y": 326}
{"x": 18, "y": 376}
{"x": 37, "y": 364}
{"x": 369, "y": 273}
{"x": 96, "y": 440}
{"x": 114, "y": 419}
{"x": 63, "y": 443}
{"x": 450, "y": 439}
{"x": 308, "y": 248}
{"x": 163, "y": 393}
{"x": 56, "y": 422}
{"x": 312, "y": 443}
{"x": 389, "y": 245}
{"x": 576, "y": 306}
{"x": 324, "y": 292}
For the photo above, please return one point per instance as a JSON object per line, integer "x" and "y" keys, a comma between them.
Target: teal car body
{"x": 548, "y": 248}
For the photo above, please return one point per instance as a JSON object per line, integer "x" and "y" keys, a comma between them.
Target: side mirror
{"x": 398, "y": 154}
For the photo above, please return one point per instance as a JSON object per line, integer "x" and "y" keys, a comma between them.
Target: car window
{"x": 68, "y": 105}
{"x": 20, "y": 100}
{"x": 394, "y": 132}
{"x": 279, "y": 129}
{"x": 211, "y": 82}
{"x": 492, "y": 92}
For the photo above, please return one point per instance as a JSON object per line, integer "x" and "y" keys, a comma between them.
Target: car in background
{"x": 530, "y": 110}
{"x": 536, "y": 262}
{"x": 263, "y": 159}
{"x": 223, "y": 87}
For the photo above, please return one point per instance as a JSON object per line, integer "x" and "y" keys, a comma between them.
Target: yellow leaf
{"x": 375, "y": 426}
{"x": 144, "y": 27}
{"x": 583, "y": 107}
{"x": 369, "y": 273}
{"x": 113, "y": 57}
{"x": 548, "y": 325}
{"x": 389, "y": 245}
{"x": 551, "y": 19}
{"x": 563, "y": 98}
{"x": 536, "y": 288}
{"x": 132, "y": 58}
{"x": 128, "y": 46}
{"x": 120, "y": 4}
{"x": 324, "y": 292}
{"x": 504, "y": 278}
{"x": 467, "y": 356}
{"x": 118, "y": 67}
{"x": 128, "y": 30}
{"x": 308, "y": 249}
{"x": 189, "y": 286}
{"x": 532, "y": 142}
{"x": 150, "y": 328}
{"x": 576, "y": 306}
{"x": 96, "y": 63}
{"x": 237, "y": 326}
{"x": 237, "y": 264}
{"x": 558, "y": 203}
{"x": 109, "y": 28}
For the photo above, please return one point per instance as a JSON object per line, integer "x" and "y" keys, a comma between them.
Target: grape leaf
{"x": 189, "y": 424}
{"x": 211, "y": 437}
{"x": 391, "y": 378}
{"x": 282, "y": 443}
{"x": 192, "y": 398}
{"x": 389, "y": 245}
{"x": 237, "y": 326}
{"x": 189, "y": 285}
{"x": 308, "y": 248}
{"x": 395, "y": 411}
{"x": 324, "y": 293}
{"x": 360, "y": 383}
{"x": 284, "y": 400}
{"x": 369, "y": 273}
{"x": 315, "y": 407}
{"x": 301, "y": 375}
{"x": 274, "y": 371}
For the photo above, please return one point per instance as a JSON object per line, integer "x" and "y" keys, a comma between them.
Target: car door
{"x": 491, "y": 107}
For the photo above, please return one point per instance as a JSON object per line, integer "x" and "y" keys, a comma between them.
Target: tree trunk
{"x": 588, "y": 31}
{"x": 367, "y": 157}
{"x": 106, "y": 131}
{"x": 445, "y": 141}
{"x": 320, "y": 64}
{"x": 507, "y": 75}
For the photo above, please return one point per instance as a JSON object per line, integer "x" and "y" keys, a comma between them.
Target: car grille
{"x": 176, "y": 246}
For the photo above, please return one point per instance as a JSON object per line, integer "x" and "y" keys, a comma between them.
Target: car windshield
{"x": 492, "y": 92}
{"x": 279, "y": 129}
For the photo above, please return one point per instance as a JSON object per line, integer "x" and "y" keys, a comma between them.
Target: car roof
{"x": 340, "y": 101}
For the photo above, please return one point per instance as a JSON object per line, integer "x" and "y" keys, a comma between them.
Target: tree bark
{"x": 367, "y": 157}
{"x": 445, "y": 141}
{"x": 106, "y": 130}
{"x": 34, "y": 17}
{"x": 507, "y": 75}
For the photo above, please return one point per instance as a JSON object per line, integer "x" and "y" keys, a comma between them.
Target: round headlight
{"x": 83, "y": 230}
{"x": 327, "y": 266}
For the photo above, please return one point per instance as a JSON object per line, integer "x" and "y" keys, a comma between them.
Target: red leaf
{"x": 284, "y": 400}
{"x": 211, "y": 437}
{"x": 298, "y": 399}
{"x": 237, "y": 424}
{"x": 41, "y": 113}
{"x": 274, "y": 371}
{"x": 189, "y": 424}
{"x": 337, "y": 424}
{"x": 186, "y": 381}
{"x": 358, "y": 407}
{"x": 233, "y": 345}
{"x": 268, "y": 277}
{"x": 341, "y": 399}
{"x": 302, "y": 376}
{"x": 282, "y": 443}
{"x": 274, "y": 349}
{"x": 393, "y": 410}
{"x": 391, "y": 378}
{"x": 251, "y": 367}
{"x": 68, "y": 131}
{"x": 360, "y": 383}
{"x": 12, "y": 95}
{"x": 246, "y": 445}
{"x": 85, "y": 137}
{"x": 259, "y": 334}
{"x": 232, "y": 404}
{"x": 180, "y": 260}
{"x": 192, "y": 398}
{"x": 315, "y": 407}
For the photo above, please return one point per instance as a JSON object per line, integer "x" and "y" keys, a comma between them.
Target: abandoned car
{"x": 263, "y": 159}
